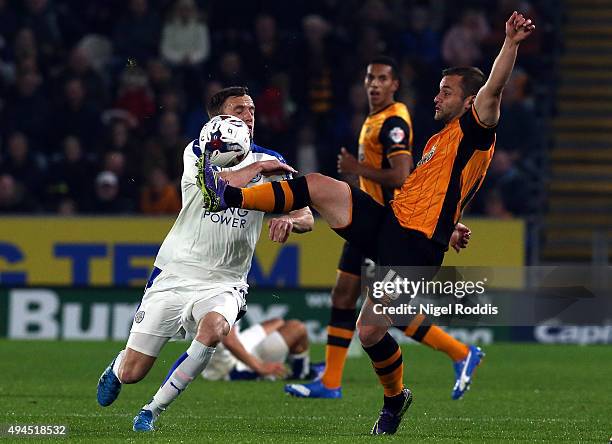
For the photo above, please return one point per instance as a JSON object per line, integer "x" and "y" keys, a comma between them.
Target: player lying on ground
{"x": 199, "y": 282}
{"x": 417, "y": 229}
{"x": 242, "y": 353}
{"x": 385, "y": 161}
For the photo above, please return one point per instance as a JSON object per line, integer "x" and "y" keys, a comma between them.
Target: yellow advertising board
{"x": 120, "y": 251}
{"x": 494, "y": 243}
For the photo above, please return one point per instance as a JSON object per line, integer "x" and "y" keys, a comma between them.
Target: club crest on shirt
{"x": 139, "y": 317}
{"x": 397, "y": 134}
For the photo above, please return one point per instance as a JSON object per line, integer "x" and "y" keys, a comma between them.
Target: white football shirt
{"x": 212, "y": 247}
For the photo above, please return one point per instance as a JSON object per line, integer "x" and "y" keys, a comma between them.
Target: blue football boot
{"x": 316, "y": 371}
{"x": 464, "y": 370}
{"x": 143, "y": 422}
{"x": 314, "y": 389}
{"x": 108, "y": 386}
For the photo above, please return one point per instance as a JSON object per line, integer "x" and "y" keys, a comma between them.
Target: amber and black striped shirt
{"x": 453, "y": 166}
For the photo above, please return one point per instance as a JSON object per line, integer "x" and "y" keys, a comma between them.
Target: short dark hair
{"x": 472, "y": 78}
{"x": 217, "y": 100}
{"x": 387, "y": 61}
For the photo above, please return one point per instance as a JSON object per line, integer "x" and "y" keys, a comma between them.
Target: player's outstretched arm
{"x": 488, "y": 99}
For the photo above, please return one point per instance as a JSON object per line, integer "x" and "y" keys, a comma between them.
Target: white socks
{"x": 185, "y": 369}
{"x": 117, "y": 363}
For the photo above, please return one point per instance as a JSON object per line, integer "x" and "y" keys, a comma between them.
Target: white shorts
{"x": 173, "y": 303}
{"x": 268, "y": 348}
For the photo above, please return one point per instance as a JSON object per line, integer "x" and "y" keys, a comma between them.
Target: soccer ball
{"x": 227, "y": 139}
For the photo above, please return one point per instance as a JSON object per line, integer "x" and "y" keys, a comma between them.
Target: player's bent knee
{"x": 211, "y": 338}
{"x": 370, "y": 335}
{"x": 212, "y": 328}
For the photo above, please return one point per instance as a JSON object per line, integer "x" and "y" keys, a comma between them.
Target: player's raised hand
{"x": 518, "y": 28}
{"x": 347, "y": 163}
{"x": 275, "y": 168}
{"x": 280, "y": 229}
{"x": 460, "y": 237}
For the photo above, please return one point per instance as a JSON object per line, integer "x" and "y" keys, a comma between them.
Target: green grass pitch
{"x": 522, "y": 393}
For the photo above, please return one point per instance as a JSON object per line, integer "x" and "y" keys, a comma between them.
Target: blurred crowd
{"x": 99, "y": 99}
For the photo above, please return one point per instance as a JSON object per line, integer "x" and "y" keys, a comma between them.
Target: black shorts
{"x": 351, "y": 260}
{"x": 376, "y": 233}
